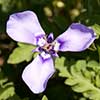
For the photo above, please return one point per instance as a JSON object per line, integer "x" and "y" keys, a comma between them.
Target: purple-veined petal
{"x": 53, "y": 53}
{"x": 76, "y": 38}
{"x": 24, "y": 27}
{"x": 50, "y": 38}
{"x": 37, "y": 74}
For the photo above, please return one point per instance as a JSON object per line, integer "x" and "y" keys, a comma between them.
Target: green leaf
{"x": 2, "y": 79}
{"x": 95, "y": 66}
{"x": 85, "y": 79}
{"x": 6, "y": 88}
{"x": 59, "y": 64}
{"x": 96, "y": 28}
{"x": 44, "y": 97}
{"x": 6, "y": 92}
{"x": 98, "y": 80}
{"x": 82, "y": 86}
{"x": 79, "y": 66}
{"x": 22, "y": 53}
{"x": 71, "y": 81}
{"x": 16, "y": 97}
{"x": 98, "y": 46}
{"x": 82, "y": 98}
{"x": 92, "y": 47}
{"x": 92, "y": 94}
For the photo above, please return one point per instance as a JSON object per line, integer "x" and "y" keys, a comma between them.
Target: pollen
{"x": 47, "y": 47}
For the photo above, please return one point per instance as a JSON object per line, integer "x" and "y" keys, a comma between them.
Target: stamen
{"x": 45, "y": 55}
{"x": 56, "y": 46}
{"x": 42, "y": 42}
{"x": 47, "y": 47}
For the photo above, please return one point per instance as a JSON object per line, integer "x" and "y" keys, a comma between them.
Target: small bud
{"x": 48, "y": 11}
{"x": 60, "y": 4}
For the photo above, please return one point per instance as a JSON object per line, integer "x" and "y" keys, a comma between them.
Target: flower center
{"x": 48, "y": 46}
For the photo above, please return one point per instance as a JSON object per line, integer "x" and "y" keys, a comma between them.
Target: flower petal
{"x": 50, "y": 38}
{"x": 77, "y": 38}
{"x": 37, "y": 73}
{"x": 24, "y": 27}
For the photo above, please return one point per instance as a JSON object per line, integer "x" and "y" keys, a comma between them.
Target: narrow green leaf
{"x": 44, "y": 97}
{"x": 98, "y": 80}
{"x": 98, "y": 46}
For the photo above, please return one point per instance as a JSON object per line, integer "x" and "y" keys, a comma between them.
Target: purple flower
{"x": 25, "y": 27}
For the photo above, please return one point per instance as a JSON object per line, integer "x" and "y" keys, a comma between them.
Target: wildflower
{"x": 25, "y": 27}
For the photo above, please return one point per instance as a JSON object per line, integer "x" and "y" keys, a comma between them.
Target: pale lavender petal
{"x": 37, "y": 74}
{"x": 76, "y": 38}
{"x": 24, "y": 27}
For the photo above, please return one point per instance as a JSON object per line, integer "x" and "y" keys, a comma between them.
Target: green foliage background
{"x": 77, "y": 75}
